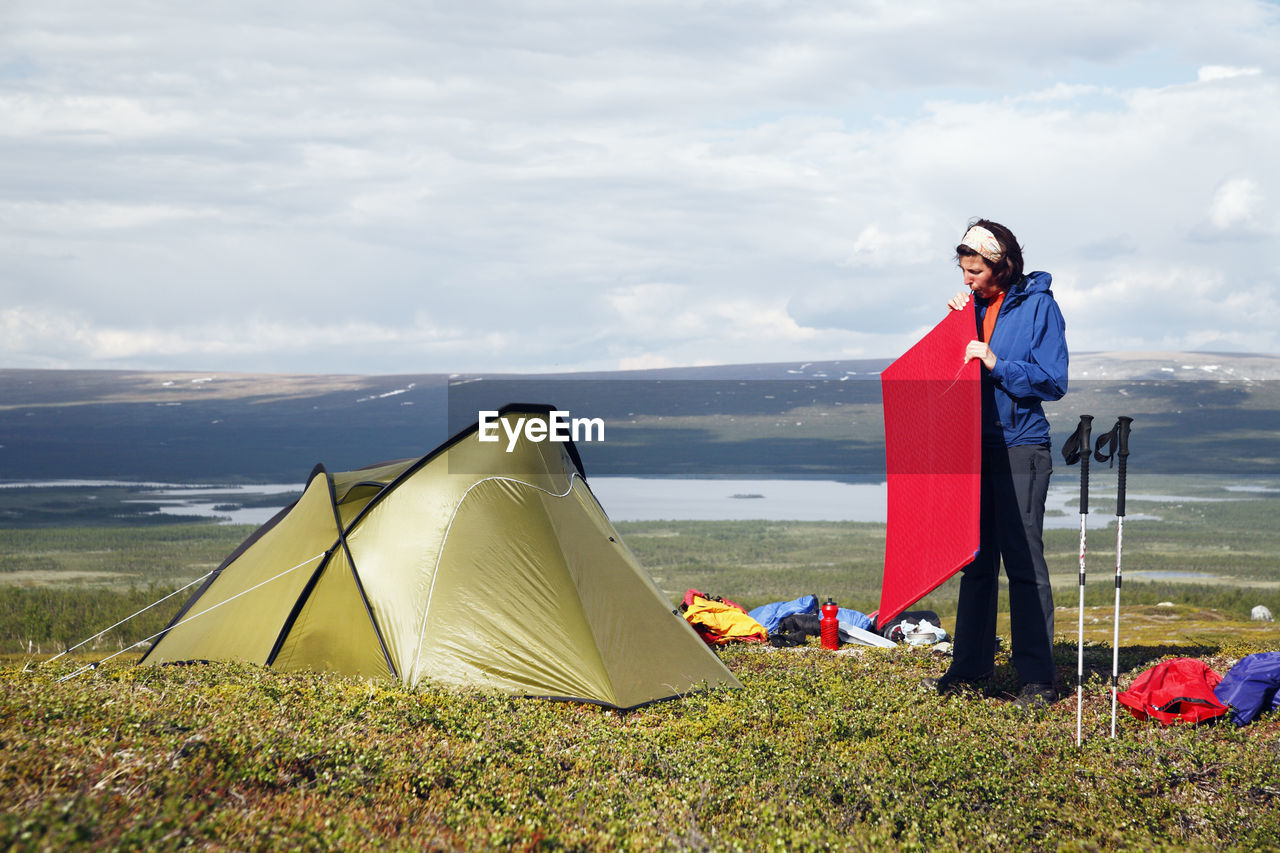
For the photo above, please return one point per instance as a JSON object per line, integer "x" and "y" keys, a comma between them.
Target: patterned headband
{"x": 984, "y": 243}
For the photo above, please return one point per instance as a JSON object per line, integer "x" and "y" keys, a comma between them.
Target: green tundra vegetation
{"x": 818, "y": 749}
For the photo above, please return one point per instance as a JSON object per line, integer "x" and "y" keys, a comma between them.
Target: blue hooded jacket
{"x": 1030, "y": 344}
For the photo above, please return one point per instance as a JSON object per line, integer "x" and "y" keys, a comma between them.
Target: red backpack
{"x": 1178, "y": 690}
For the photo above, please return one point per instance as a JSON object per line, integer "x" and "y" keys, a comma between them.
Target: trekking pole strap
{"x": 1115, "y": 443}
{"x": 1071, "y": 454}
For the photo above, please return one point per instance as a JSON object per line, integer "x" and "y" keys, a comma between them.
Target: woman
{"x": 1021, "y": 343}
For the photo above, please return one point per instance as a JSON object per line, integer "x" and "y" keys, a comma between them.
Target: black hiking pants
{"x": 1015, "y": 481}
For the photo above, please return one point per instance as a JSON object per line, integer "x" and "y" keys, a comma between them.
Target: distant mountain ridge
{"x": 1175, "y": 365}
{"x": 1201, "y": 411}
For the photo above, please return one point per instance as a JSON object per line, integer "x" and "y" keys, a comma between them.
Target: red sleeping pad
{"x": 933, "y": 462}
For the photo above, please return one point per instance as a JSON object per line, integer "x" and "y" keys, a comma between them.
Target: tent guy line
{"x": 444, "y": 540}
{"x": 204, "y": 612}
{"x": 127, "y": 618}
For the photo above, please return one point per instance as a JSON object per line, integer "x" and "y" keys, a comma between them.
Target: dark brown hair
{"x": 1008, "y": 270}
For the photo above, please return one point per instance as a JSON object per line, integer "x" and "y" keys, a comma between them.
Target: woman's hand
{"x": 980, "y": 351}
{"x": 958, "y": 301}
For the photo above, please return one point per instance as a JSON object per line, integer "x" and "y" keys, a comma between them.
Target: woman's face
{"x": 978, "y": 276}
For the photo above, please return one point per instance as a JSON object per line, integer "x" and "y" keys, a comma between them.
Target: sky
{"x": 422, "y": 187}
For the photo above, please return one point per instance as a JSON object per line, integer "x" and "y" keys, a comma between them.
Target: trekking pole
{"x": 1118, "y": 442}
{"x": 1071, "y": 454}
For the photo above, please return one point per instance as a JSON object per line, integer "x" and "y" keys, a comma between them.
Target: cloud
{"x": 1238, "y": 202}
{"x": 1224, "y": 72}
{"x": 1181, "y": 308}
{"x": 396, "y": 187}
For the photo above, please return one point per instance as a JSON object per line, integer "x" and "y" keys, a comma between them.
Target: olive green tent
{"x": 472, "y": 566}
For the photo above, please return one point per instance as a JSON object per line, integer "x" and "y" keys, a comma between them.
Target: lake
{"x": 643, "y": 499}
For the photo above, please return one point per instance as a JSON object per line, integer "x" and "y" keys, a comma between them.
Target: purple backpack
{"x": 1251, "y": 687}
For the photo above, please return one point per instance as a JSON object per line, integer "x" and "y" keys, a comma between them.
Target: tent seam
{"x": 444, "y": 540}
{"x": 564, "y": 556}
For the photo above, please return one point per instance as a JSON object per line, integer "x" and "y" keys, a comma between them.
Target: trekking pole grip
{"x": 1122, "y": 450}
{"x": 1086, "y": 426}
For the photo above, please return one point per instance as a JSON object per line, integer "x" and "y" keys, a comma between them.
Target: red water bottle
{"x": 830, "y": 625}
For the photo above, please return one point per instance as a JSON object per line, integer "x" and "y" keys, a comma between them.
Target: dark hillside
{"x": 152, "y": 426}
{"x": 1195, "y": 414}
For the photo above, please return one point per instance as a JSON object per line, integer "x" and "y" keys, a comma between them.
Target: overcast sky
{"x": 408, "y": 187}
